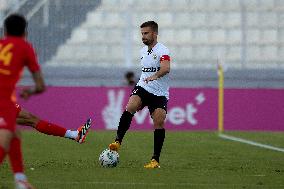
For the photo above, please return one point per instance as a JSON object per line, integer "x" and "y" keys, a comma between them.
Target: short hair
{"x": 129, "y": 74}
{"x": 152, "y": 24}
{"x": 15, "y": 25}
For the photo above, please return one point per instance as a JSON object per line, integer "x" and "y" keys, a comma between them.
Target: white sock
{"x": 20, "y": 176}
{"x": 71, "y": 134}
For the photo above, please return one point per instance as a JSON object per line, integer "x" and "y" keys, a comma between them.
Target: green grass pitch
{"x": 195, "y": 160}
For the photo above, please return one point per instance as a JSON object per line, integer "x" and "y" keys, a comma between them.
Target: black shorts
{"x": 148, "y": 99}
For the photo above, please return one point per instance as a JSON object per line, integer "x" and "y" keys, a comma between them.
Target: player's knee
{"x": 28, "y": 119}
{"x": 158, "y": 122}
{"x": 134, "y": 104}
{"x": 31, "y": 117}
{"x": 159, "y": 125}
{"x": 25, "y": 115}
{"x": 5, "y": 138}
{"x": 132, "y": 109}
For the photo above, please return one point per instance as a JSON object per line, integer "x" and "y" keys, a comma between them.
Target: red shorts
{"x": 8, "y": 117}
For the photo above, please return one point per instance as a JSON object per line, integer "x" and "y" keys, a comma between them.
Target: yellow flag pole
{"x": 220, "y": 99}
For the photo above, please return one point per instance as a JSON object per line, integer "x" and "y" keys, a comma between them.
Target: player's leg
{"x": 16, "y": 161}
{"x": 28, "y": 119}
{"x": 125, "y": 120}
{"x": 158, "y": 110}
{"x": 5, "y": 138}
{"x": 15, "y": 154}
{"x": 11, "y": 145}
{"x": 133, "y": 105}
{"x": 7, "y": 128}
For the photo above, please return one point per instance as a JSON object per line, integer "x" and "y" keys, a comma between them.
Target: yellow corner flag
{"x": 220, "y": 99}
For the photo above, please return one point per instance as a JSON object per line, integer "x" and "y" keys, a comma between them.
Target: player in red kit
{"x": 15, "y": 54}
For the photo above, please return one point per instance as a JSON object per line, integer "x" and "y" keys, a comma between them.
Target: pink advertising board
{"x": 188, "y": 108}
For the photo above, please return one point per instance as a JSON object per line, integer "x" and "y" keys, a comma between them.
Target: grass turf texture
{"x": 189, "y": 160}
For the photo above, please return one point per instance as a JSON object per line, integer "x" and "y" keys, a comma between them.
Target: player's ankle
{"x": 156, "y": 158}
{"x": 71, "y": 134}
{"x": 20, "y": 176}
{"x": 119, "y": 141}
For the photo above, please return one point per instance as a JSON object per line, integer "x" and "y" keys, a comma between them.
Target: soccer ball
{"x": 109, "y": 158}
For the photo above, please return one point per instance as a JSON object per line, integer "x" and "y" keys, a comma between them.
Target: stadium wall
{"x": 189, "y": 108}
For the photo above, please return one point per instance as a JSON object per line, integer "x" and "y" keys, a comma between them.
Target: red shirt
{"x": 15, "y": 53}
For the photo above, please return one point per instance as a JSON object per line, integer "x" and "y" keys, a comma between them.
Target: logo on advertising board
{"x": 113, "y": 110}
{"x": 177, "y": 115}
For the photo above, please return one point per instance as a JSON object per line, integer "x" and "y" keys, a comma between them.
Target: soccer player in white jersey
{"x": 152, "y": 90}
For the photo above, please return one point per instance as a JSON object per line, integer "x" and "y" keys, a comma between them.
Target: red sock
{"x": 50, "y": 129}
{"x": 2, "y": 154}
{"x": 15, "y": 155}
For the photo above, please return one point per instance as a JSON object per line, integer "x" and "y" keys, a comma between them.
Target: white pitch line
{"x": 251, "y": 143}
{"x": 142, "y": 183}
{"x": 112, "y": 183}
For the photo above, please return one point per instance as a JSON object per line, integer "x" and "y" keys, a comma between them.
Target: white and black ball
{"x": 109, "y": 158}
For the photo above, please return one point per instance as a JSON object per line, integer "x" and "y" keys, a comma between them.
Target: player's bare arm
{"x": 38, "y": 88}
{"x": 164, "y": 69}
